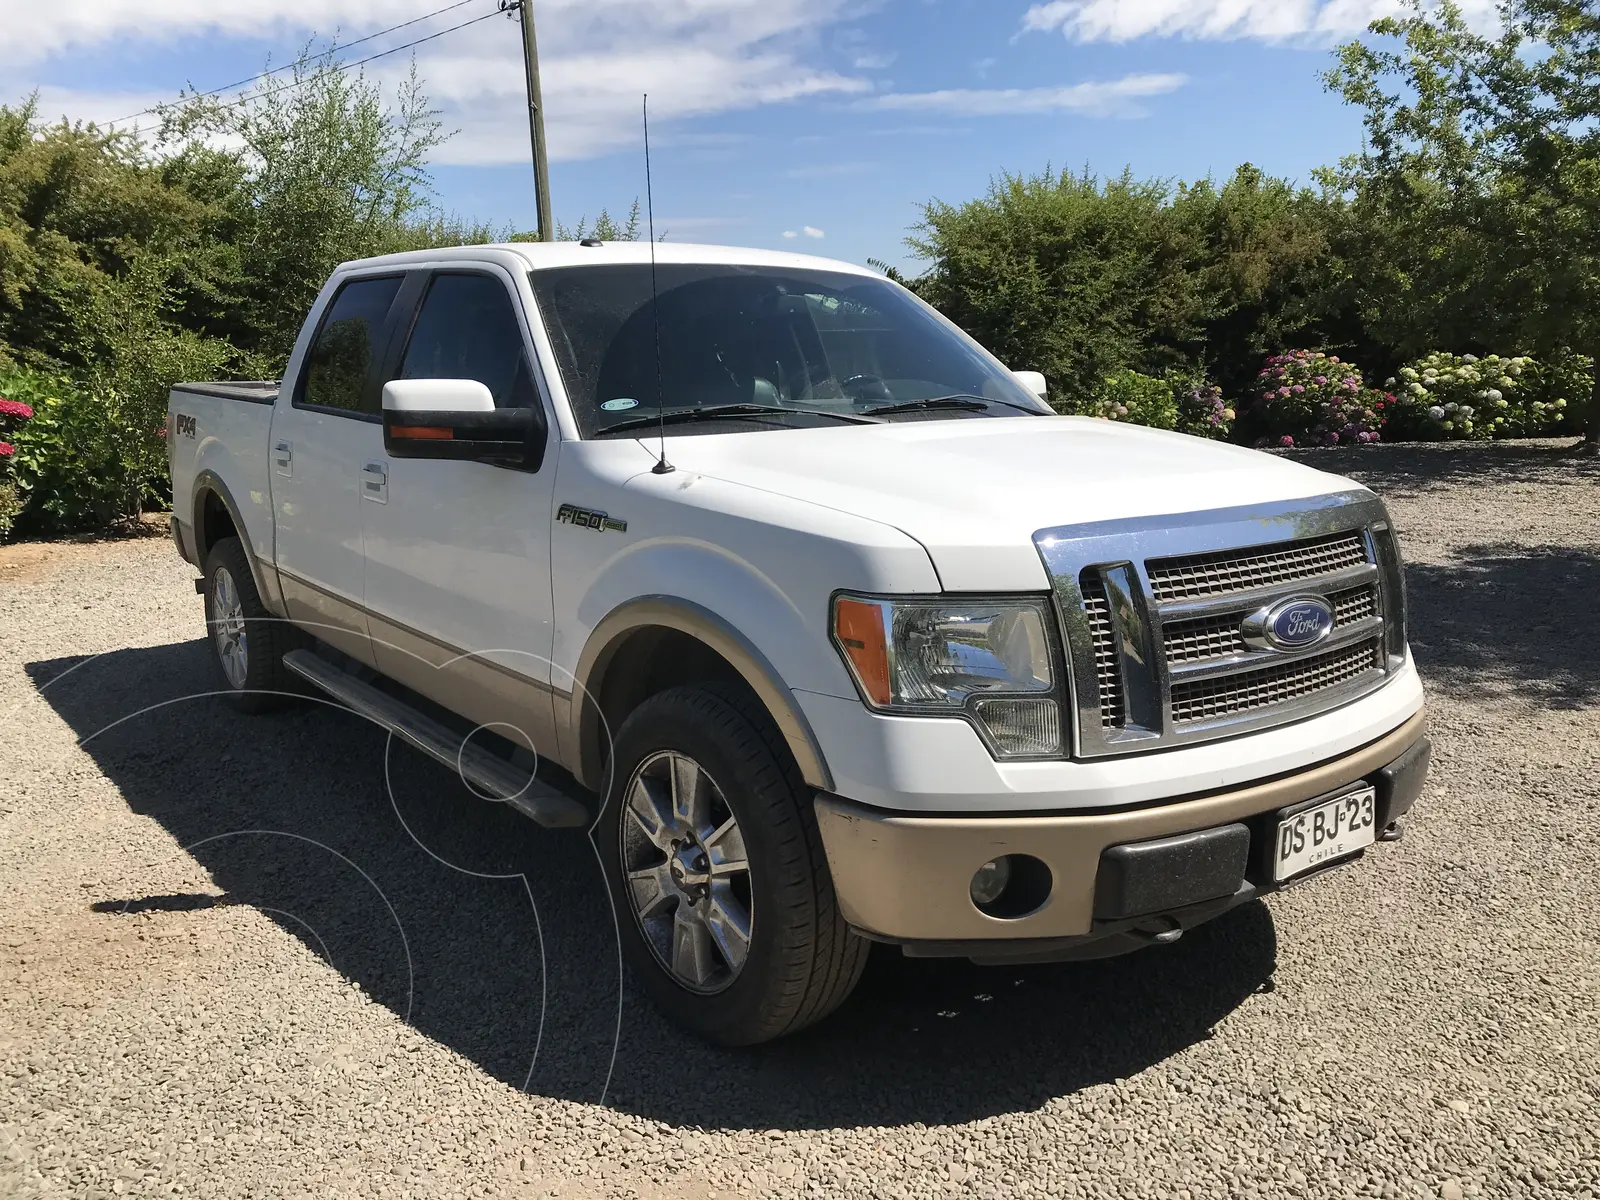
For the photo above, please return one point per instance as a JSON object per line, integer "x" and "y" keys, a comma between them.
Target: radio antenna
{"x": 662, "y": 467}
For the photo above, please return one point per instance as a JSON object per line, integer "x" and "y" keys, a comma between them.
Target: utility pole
{"x": 541, "y": 161}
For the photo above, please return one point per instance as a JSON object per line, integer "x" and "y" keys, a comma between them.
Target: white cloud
{"x": 830, "y": 170}
{"x": 695, "y": 58}
{"x": 874, "y": 62}
{"x": 790, "y": 234}
{"x": 1113, "y": 98}
{"x": 1268, "y": 20}
{"x": 811, "y": 231}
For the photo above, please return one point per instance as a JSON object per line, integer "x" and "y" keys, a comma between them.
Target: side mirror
{"x": 1033, "y": 381}
{"x": 456, "y": 418}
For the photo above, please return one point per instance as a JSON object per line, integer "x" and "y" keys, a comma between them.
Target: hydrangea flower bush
{"x": 1306, "y": 397}
{"x": 1456, "y": 397}
{"x": 1137, "y": 399}
{"x": 1202, "y": 412}
{"x": 12, "y": 414}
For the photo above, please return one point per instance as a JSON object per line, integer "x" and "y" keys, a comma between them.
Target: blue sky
{"x": 829, "y": 121}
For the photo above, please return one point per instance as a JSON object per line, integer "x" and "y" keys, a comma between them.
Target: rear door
{"x": 458, "y": 553}
{"x": 326, "y": 434}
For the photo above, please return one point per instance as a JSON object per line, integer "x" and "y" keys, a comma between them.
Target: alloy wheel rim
{"x": 227, "y": 628}
{"x": 686, "y": 872}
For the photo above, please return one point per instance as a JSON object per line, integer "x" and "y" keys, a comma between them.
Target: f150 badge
{"x": 588, "y": 518}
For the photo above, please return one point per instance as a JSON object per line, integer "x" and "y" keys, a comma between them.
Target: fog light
{"x": 990, "y": 881}
{"x": 1022, "y": 728}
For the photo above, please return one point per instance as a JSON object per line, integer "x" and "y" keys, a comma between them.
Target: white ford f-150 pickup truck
{"x": 818, "y": 618}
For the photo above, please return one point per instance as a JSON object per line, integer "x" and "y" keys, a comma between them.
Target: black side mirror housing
{"x": 510, "y": 437}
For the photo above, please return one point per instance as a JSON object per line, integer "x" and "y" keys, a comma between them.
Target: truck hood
{"x": 974, "y": 492}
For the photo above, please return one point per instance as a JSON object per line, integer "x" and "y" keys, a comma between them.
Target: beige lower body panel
{"x": 515, "y": 707}
{"x": 907, "y": 878}
{"x": 327, "y": 618}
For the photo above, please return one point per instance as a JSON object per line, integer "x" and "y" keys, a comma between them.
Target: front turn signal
{"x": 858, "y": 629}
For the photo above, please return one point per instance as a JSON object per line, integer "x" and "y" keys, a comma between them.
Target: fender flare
{"x": 209, "y": 481}
{"x": 701, "y": 623}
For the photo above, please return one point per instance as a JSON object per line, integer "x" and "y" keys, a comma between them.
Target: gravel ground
{"x": 233, "y": 962}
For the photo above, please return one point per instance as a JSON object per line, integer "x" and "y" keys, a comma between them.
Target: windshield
{"x": 792, "y": 349}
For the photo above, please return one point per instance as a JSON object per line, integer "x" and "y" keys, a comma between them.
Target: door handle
{"x": 283, "y": 454}
{"x": 375, "y": 482}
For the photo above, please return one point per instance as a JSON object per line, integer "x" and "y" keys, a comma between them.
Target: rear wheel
{"x": 247, "y": 642}
{"x": 726, "y": 909}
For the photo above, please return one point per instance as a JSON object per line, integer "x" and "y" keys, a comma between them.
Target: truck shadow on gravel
{"x": 289, "y": 813}
{"x": 1509, "y": 619}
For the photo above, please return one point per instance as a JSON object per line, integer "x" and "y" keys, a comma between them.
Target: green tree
{"x": 1080, "y": 279}
{"x": 606, "y": 227}
{"x": 303, "y": 172}
{"x": 1480, "y": 181}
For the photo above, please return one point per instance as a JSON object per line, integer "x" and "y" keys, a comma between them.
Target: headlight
{"x": 989, "y": 660}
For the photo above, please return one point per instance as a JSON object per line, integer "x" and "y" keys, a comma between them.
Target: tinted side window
{"x": 339, "y": 358}
{"x": 467, "y": 329}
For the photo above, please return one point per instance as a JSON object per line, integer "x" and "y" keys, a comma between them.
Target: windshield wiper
{"x": 960, "y": 401}
{"x": 712, "y": 412}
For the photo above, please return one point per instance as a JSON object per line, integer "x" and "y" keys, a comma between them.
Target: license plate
{"x": 1324, "y": 832}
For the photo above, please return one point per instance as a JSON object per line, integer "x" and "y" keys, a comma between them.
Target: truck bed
{"x": 215, "y": 435}
{"x": 255, "y": 391}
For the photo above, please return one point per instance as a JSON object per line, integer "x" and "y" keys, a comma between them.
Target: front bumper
{"x": 905, "y": 879}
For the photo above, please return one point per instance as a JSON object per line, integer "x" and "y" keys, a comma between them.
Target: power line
{"x": 331, "y": 49}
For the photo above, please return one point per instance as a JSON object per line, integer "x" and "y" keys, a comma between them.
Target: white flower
{"x": 1465, "y": 410}
{"x": 1469, "y": 358}
{"x": 1560, "y": 404}
{"x": 1436, "y": 413}
{"x": 1493, "y": 395}
{"x": 1389, "y": 382}
{"x": 1416, "y": 389}
{"x": 1451, "y": 407}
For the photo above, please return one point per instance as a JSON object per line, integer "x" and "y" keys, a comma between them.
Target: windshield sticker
{"x": 621, "y": 404}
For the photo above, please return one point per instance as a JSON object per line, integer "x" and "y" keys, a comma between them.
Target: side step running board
{"x": 487, "y": 772}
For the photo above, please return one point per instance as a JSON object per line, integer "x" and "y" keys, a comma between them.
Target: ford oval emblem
{"x": 1292, "y": 624}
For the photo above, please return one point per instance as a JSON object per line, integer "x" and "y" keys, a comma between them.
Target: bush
{"x": 1306, "y": 397}
{"x": 1137, "y": 399}
{"x": 10, "y": 506}
{"x": 1450, "y": 397}
{"x": 1202, "y": 412}
{"x": 13, "y": 413}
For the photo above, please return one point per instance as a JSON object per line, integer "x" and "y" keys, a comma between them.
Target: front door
{"x": 324, "y": 432}
{"x": 458, "y": 553}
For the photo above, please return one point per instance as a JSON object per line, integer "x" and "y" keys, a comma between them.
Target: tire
{"x": 802, "y": 960}
{"x": 247, "y": 642}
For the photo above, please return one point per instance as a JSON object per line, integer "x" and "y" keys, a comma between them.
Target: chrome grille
{"x": 1357, "y": 604}
{"x": 1207, "y": 637}
{"x": 1108, "y": 679}
{"x": 1226, "y": 695}
{"x": 1154, "y": 610}
{"x": 1217, "y": 574}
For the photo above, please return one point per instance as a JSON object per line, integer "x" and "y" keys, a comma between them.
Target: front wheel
{"x": 726, "y": 909}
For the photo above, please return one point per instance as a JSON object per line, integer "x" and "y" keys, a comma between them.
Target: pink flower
{"x": 1322, "y": 381}
{"x": 1299, "y": 389}
{"x": 1286, "y": 440}
{"x": 7, "y": 449}
{"x": 15, "y": 408}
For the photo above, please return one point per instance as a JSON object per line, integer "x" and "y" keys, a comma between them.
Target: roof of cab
{"x": 543, "y": 255}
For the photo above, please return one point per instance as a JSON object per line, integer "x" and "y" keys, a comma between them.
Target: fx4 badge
{"x": 587, "y": 518}
{"x": 183, "y": 425}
